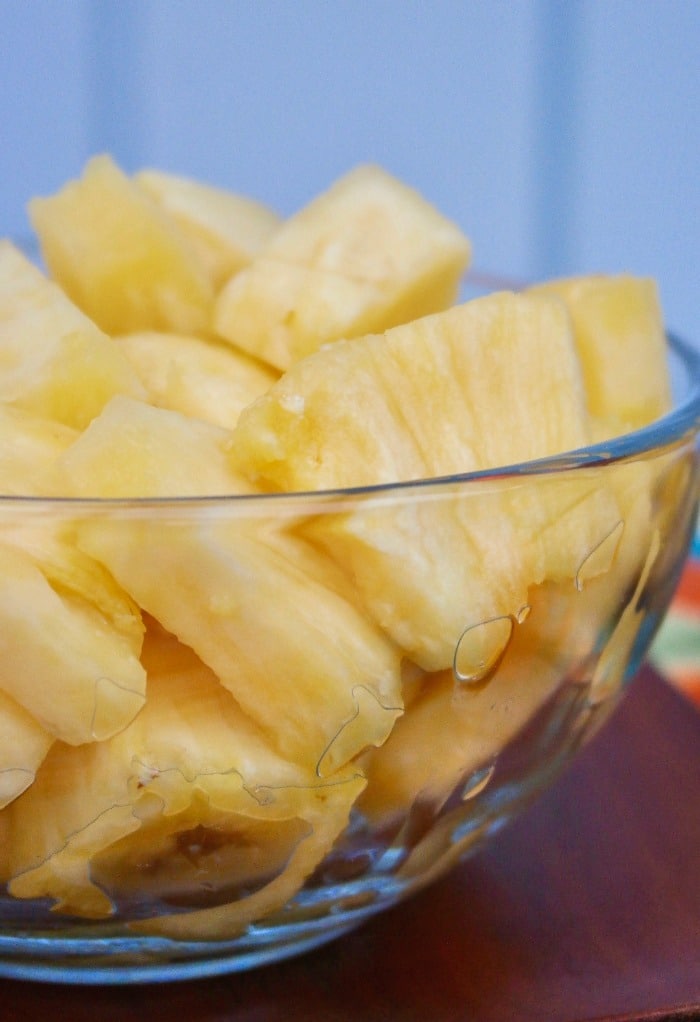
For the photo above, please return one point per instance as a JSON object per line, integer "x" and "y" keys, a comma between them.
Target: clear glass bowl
{"x": 215, "y": 833}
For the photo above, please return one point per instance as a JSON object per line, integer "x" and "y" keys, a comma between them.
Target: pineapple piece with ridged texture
{"x": 54, "y": 361}
{"x": 190, "y": 789}
{"x": 367, "y": 254}
{"x": 272, "y": 616}
{"x": 225, "y": 230}
{"x": 198, "y": 376}
{"x": 119, "y": 256}
{"x": 423, "y": 400}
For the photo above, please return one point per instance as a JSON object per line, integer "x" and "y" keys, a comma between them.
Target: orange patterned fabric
{"x": 676, "y": 650}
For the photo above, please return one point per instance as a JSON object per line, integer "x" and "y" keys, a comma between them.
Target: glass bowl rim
{"x": 677, "y": 426}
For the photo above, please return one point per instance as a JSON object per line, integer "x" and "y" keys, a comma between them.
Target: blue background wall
{"x": 563, "y": 135}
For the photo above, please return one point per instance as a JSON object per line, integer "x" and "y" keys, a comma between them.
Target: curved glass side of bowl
{"x": 364, "y": 686}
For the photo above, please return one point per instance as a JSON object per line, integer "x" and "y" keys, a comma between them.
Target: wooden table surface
{"x": 585, "y": 908}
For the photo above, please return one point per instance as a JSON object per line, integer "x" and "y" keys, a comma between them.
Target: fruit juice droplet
{"x": 480, "y": 649}
{"x": 477, "y": 781}
{"x": 600, "y": 558}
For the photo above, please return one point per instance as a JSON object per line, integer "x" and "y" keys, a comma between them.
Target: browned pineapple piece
{"x": 365, "y": 255}
{"x": 119, "y": 256}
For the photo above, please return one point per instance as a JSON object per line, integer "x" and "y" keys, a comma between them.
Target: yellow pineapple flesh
{"x": 70, "y": 637}
{"x": 23, "y": 746}
{"x": 91, "y": 681}
{"x": 423, "y": 400}
{"x": 29, "y": 448}
{"x": 621, "y": 342}
{"x": 620, "y": 335}
{"x": 225, "y": 230}
{"x": 275, "y": 620}
{"x": 133, "y": 449}
{"x": 54, "y": 361}
{"x": 119, "y": 256}
{"x": 199, "y": 377}
{"x": 190, "y": 788}
{"x": 289, "y": 657}
{"x": 365, "y": 255}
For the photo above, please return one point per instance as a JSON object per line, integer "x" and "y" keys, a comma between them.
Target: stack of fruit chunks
{"x": 195, "y": 697}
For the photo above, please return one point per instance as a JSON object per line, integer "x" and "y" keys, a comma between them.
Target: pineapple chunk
{"x": 621, "y": 340}
{"x": 489, "y": 383}
{"x": 470, "y": 724}
{"x": 552, "y": 663}
{"x": 29, "y": 448}
{"x": 619, "y": 333}
{"x": 367, "y": 254}
{"x": 268, "y": 613}
{"x": 70, "y": 637}
{"x": 133, "y": 449}
{"x": 119, "y": 256}
{"x": 54, "y": 361}
{"x": 190, "y": 790}
{"x": 299, "y": 657}
{"x": 226, "y": 230}
{"x": 197, "y": 376}
{"x": 4, "y": 848}
{"x": 23, "y": 746}
{"x": 69, "y": 666}
{"x": 424, "y": 400}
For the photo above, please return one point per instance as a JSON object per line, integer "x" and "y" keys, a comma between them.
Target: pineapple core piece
{"x": 272, "y": 616}
{"x": 226, "y": 230}
{"x": 190, "y": 793}
{"x": 367, "y": 254}
{"x": 620, "y": 336}
{"x": 427, "y": 399}
{"x": 54, "y": 361}
{"x": 119, "y": 256}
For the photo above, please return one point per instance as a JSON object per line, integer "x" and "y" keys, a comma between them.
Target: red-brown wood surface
{"x": 585, "y": 908}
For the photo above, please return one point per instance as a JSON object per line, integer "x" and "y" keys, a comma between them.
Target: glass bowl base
{"x": 117, "y": 960}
